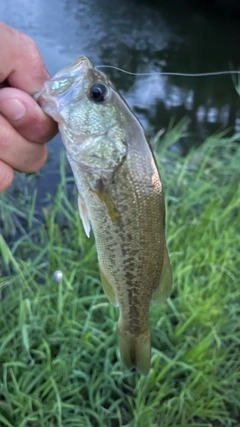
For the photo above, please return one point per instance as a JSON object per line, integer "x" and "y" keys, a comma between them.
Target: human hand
{"x": 24, "y": 127}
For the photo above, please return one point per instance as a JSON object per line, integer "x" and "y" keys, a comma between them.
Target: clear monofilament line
{"x": 166, "y": 73}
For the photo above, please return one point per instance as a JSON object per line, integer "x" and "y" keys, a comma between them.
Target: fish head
{"x": 90, "y": 112}
{"x": 64, "y": 88}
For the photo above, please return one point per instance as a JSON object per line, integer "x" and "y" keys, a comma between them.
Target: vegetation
{"x": 59, "y": 363}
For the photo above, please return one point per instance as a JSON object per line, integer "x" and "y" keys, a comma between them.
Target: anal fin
{"x": 108, "y": 288}
{"x": 163, "y": 291}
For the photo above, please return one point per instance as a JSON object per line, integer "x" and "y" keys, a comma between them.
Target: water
{"x": 140, "y": 37}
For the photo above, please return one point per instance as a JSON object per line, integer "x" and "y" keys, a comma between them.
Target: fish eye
{"x": 98, "y": 93}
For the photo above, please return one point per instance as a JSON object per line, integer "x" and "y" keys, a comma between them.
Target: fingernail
{"x": 12, "y": 109}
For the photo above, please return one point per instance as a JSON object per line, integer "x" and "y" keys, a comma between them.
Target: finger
{"x": 21, "y": 62}
{"x": 19, "y": 153}
{"x": 6, "y": 176}
{"x": 26, "y": 116}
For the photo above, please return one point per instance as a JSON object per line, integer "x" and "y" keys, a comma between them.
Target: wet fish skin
{"x": 120, "y": 197}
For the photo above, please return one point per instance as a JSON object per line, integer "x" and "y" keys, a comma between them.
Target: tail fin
{"x": 135, "y": 350}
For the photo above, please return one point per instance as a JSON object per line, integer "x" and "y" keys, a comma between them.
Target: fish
{"x": 120, "y": 197}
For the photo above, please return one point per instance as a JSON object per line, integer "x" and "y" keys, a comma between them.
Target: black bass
{"x": 120, "y": 197}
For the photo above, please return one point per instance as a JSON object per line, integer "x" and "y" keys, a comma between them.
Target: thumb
{"x": 25, "y": 115}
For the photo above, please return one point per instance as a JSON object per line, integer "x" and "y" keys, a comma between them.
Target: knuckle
{"x": 35, "y": 61}
{"x": 31, "y": 45}
{"x": 6, "y": 29}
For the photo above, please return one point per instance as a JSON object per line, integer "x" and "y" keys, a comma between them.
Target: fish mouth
{"x": 51, "y": 97}
{"x": 72, "y": 72}
{"x": 77, "y": 68}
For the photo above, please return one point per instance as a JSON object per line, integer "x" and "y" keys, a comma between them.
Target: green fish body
{"x": 120, "y": 197}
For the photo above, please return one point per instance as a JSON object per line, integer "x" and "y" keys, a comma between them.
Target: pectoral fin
{"x": 84, "y": 215}
{"x": 108, "y": 289}
{"x": 104, "y": 196}
{"x": 165, "y": 286}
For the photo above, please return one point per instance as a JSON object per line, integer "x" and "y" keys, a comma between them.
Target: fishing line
{"x": 166, "y": 73}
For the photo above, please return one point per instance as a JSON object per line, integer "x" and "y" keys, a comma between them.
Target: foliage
{"x": 59, "y": 364}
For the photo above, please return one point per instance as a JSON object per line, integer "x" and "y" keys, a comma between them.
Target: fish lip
{"x": 80, "y": 66}
{"x": 76, "y": 70}
{"x": 37, "y": 95}
{"x": 40, "y": 98}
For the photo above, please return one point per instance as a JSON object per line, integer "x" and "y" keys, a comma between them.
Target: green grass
{"x": 59, "y": 364}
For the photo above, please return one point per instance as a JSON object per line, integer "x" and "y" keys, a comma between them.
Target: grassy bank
{"x": 59, "y": 363}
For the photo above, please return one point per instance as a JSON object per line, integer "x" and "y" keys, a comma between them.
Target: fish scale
{"x": 120, "y": 197}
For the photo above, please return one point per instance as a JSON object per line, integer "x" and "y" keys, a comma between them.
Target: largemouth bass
{"x": 120, "y": 197}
